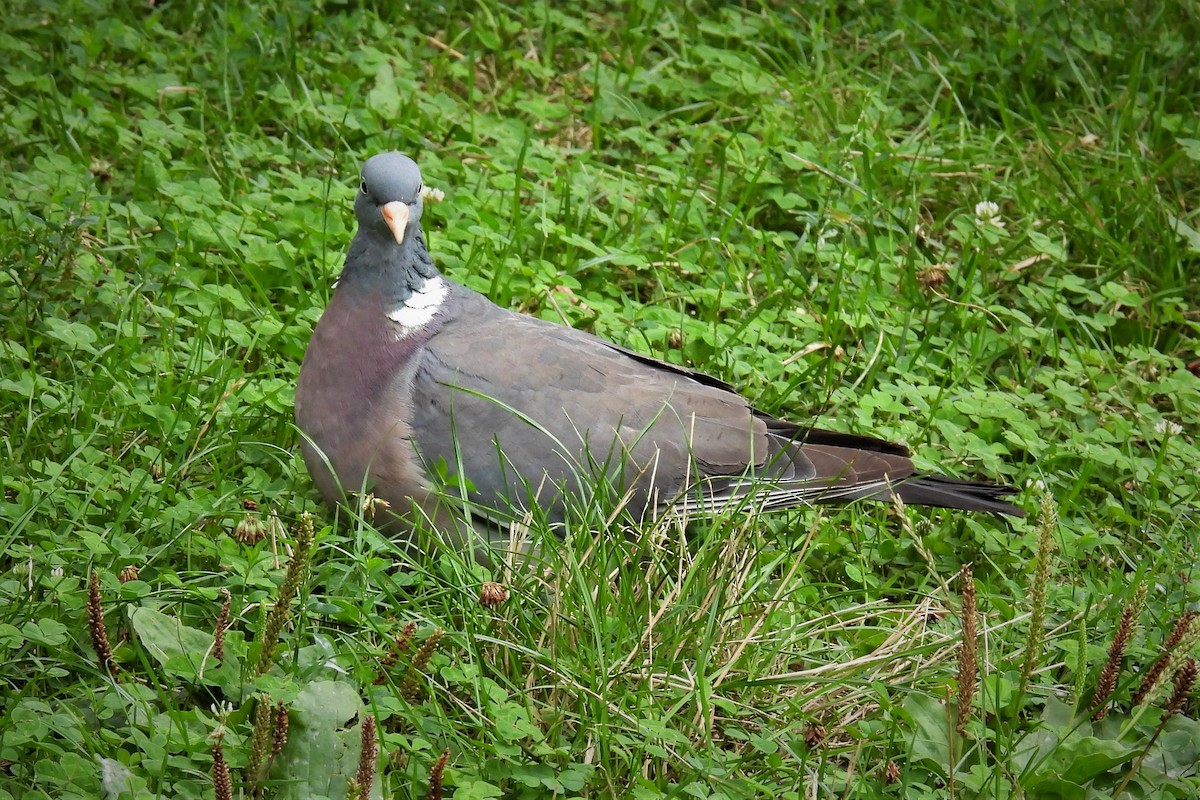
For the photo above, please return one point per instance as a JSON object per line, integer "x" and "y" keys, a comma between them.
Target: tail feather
{"x": 810, "y": 465}
{"x": 864, "y": 468}
{"x": 942, "y": 492}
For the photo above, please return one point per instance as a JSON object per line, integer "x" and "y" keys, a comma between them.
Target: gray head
{"x": 388, "y": 204}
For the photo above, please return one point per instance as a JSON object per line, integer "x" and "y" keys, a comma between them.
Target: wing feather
{"x": 584, "y": 409}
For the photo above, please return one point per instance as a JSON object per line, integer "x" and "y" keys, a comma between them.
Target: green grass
{"x": 753, "y": 190}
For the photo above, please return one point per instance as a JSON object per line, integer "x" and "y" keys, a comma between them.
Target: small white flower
{"x": 114, "y": 777}
{"x": 432, "y": 195}
{"x": 56, "y": 572}
{"x": 986, "y": 209}
{"x": 988, "y": 213}
{"x": 1166, "y": 426}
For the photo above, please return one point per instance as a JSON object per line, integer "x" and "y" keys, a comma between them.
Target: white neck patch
{"x": 418, "y": 310}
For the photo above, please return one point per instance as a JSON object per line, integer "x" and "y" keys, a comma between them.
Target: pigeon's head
{"x": 389, "y": 198}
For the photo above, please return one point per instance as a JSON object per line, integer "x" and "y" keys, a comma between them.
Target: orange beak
{"x": 395, "y": 214}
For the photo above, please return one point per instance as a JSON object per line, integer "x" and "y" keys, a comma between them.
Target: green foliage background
{"x": 755, "y": 189}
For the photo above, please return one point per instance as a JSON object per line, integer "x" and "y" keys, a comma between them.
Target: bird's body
{"x": 411, "y": 379}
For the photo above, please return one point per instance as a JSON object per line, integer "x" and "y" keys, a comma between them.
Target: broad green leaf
{"x": 75, "y": 335}
{"x": 181, "y": 650}
{"x": 1186, "y": 232}
{"x": 324, "y": 742}
{"x": 930, "y": 737}
{"x": 1190, "y": 147}
{"x": 477, "y": 790}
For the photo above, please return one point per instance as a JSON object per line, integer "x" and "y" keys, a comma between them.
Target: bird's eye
{"x": 363, "y": 186}
{"x": 420, "y": 188}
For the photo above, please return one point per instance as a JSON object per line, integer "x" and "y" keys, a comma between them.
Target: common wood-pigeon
{"x": 411, "y": 380}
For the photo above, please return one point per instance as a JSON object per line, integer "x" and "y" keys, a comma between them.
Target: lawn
{"x": 973, "y": 230}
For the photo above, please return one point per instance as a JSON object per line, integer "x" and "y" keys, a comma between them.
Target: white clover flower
{"x": 1166, "y": 426}
{"x": 432, "y": 195}
{"x": 988, "y": 213}
{"x": 114, "y": 777}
